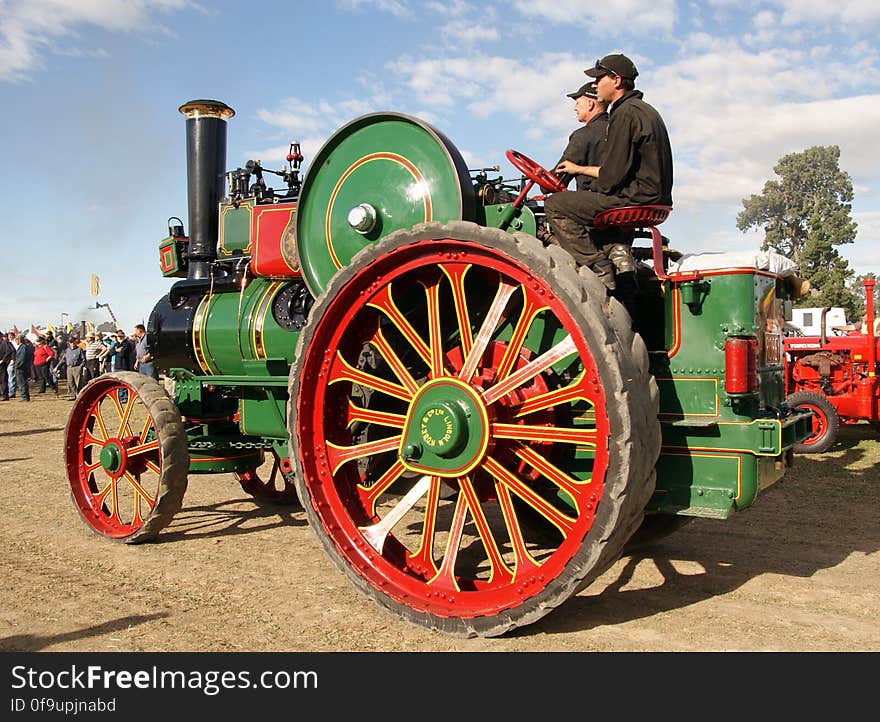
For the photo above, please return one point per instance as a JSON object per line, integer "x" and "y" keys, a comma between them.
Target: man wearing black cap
{"x": 586, "y": 144}
{"x": 636, "y": 170}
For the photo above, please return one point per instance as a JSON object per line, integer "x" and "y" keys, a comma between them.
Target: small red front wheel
{"x": 126, "y": 455}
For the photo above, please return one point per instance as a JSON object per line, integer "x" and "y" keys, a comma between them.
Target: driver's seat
{"x": 637, "y": 218}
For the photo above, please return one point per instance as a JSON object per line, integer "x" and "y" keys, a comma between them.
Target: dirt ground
{"x": 799, "y": 571}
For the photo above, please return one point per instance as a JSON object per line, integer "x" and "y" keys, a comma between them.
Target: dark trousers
{"x": 92, "y": 370}
{"x": 44, "y": 376}
{"x": 571, "y": 215}
{"x": 4, "y": 380}
{"x": 22, "y": 379}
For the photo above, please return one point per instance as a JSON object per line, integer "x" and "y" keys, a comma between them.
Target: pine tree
{"x": 805, "y": 215}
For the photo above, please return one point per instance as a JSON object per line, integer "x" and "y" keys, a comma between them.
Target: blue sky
{"x": 94, "y": 146}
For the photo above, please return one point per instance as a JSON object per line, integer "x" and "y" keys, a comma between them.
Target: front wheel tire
{"x": 126, "y": 455}
{"x": 474, "y": 426}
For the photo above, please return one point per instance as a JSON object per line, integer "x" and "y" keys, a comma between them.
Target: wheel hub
{"x": 447, "y": 429}
{"x": 113, "y": 457}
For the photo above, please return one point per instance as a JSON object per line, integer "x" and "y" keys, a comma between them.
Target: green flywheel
{"x": 379, "y": 173}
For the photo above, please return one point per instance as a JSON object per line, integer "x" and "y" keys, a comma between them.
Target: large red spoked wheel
{"x": 826, "y": 422}
{"x": 475, "y": 433}
{"x": 126, "y": 454}
{"x": 278, "y": 487}
{"x": 534, "y": 171}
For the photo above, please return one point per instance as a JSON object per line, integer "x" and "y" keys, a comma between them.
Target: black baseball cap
{"x": 588, "y": 89}
{"x": 614, "y": 65}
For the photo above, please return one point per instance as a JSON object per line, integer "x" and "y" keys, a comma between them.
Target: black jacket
{"x": 7, "y": 351}
{"x": 638, "y": 157}
{"x": 586, "y": 146}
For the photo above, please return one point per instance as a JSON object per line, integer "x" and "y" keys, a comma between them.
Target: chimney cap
{"x": 206, "y": 109}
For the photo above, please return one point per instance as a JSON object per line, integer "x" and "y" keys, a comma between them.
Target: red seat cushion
{"x": 632, "y": 216}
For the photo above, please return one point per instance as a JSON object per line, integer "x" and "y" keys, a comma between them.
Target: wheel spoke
{"x": 154, "y": 467}
{"x": 140, "y": 491}
{"x": 377, "y": 533}
{"x": 100, "y": 419}
{"x": 575, "y": 488}
{"x": 548, "y": 434}
{"x": 490, "y": 323}
{"x": 525, "y": 563}
{"x": 547, "y": 359}
{"x": 371, "y": 494}
{"x": 145, "y": 431}
{"x": 529, "y": 311}
{"x": 92, "y": 468}
{"x": 435, "y": 342}
{"x": 445, "y": 577}
{"x": 144, "y": 448}
{"x": 370, "y": 416}
{"x": 385, "y": 303}
{"x": 339, "y": 455}
{"x": 501, "y": 573}
{"x": 422, "y": 559}
{"x": 90, "y": 440}
{"x": 393, "y": 360}
{"x": 562, "y": 522}
{"x": 124, "y": 414}
{"x": 343, "y": 371}
{"x": 455, "y": 272}
{"x": 576, "y": 390}
{"x": 101, "y": 495}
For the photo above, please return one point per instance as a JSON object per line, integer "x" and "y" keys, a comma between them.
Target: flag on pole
{"x": 96, "y": 286}
{"x": 69, "y": 327}
{"x": 50, "y": 327}
{"x": 15, "y": 330}
{"x": 90, "y": 328}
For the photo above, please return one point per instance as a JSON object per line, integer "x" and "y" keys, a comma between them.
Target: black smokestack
{"x": 205, "y": 171}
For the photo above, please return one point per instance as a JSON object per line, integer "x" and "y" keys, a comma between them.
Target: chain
{"x": 230, "y": 445}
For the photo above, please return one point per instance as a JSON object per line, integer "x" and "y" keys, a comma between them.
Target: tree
{"x": 805, "y": 215}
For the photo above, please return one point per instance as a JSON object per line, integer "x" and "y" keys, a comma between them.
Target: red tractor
{"x": 834, "y": 377}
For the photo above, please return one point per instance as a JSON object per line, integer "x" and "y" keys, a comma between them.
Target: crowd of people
{"x": 42, "y": 363}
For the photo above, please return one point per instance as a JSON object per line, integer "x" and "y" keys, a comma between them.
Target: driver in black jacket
{"x": 637, "y": 170}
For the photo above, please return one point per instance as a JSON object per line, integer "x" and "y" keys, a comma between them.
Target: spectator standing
{"x": 105, "y": 357}
{"x": 75, "y": 359}
{"x": 10, "y": 374}
{"x": 94, "y": 348}
{"x": 122, "y": 351}
{"x": 43, "y": 355}
{"x": 7, "y": 359}
{"x": 143, "y": 359}
{"x": 24, "y": 366}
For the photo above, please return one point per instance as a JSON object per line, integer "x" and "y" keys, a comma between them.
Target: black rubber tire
{"x": 631, "y": 404}
{"x": 173, "y": 445}
{"x": 828, "y": 419}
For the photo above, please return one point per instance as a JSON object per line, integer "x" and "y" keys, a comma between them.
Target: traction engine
{"x": 473, "y": 428}
{"x": 835, "y": 377}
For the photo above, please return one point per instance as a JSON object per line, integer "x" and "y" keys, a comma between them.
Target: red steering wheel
{"x": 549, "y": 183}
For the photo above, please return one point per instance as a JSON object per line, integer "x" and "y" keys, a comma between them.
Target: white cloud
{"x": 30, "y": 27}
{"x": 398, "y": 8}
{"x": 623, "y": 17}
{"x": 821, "y": 12}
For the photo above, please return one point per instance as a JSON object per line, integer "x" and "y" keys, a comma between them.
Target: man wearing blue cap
{"x": 636, "y": 170}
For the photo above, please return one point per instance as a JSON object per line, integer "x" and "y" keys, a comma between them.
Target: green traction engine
{"x": 473, "y": 428}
